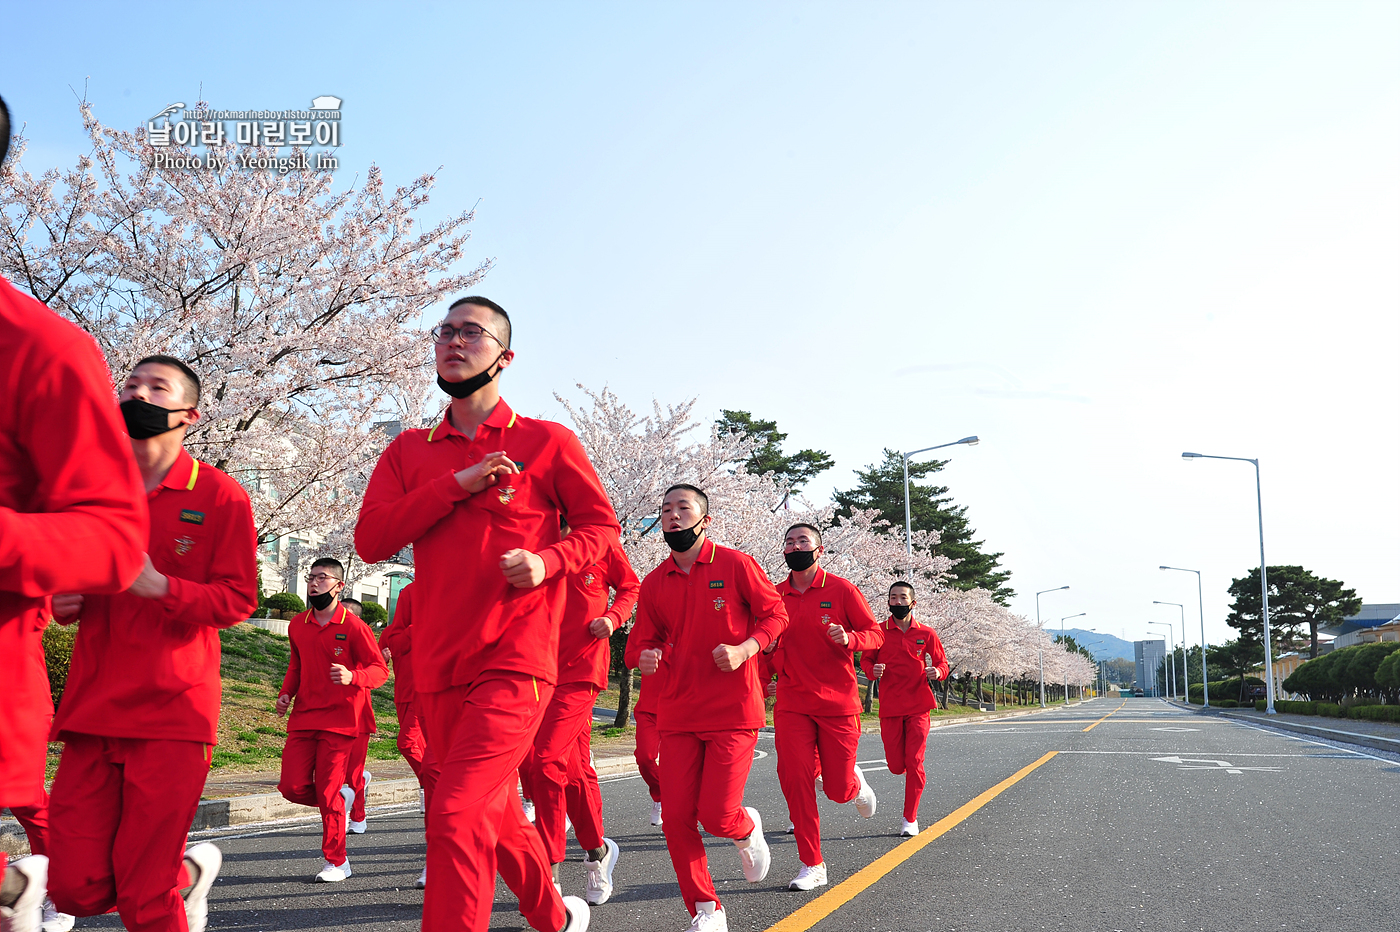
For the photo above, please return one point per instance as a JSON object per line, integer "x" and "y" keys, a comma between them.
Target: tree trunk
{"x": 624, "y": 699}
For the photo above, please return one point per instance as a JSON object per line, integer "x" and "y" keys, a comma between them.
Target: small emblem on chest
{"x": 338, "y": 651}
{"x": 826, "y": 619}
{"x": 183, "y": 545}
{"x": 588, "y": 579}
{"x": 507, "y": 495}
{"x": 719, "y": 605}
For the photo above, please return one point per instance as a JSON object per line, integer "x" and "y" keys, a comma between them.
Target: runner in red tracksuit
{"x": 708, "y": 610}
{"x": 396, "y": 643}
{"x": 559, "y": 768}
{"x": 479, "y": 495}
{"x": 334, "y": 664}
{"x": 140, "y": 711}
{"x": 72, "y": 517}
{"x": 648, "y": 748}
{"x": 911, "y": 654}
{"x": 356, "y": 776}
{"x": 817, "y": 716}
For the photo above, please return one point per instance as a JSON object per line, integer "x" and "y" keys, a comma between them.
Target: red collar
{"x": 819, "y": 582}
{"x": 501, "y": 416}
{"x": 337, "y": 619}
{"x": 183, "y": 474}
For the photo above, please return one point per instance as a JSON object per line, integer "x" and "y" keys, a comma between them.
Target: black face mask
{"x": 799, "y": 560}
{"x": 467, "y": 388}
{"x": 681, "y": 541}
{"x": 900, "y": 611}
{"x": 321, "y": 602}
{"x": 145, "y": 420}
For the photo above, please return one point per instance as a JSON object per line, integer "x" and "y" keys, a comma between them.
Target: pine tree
{"x": 791, "y": 471}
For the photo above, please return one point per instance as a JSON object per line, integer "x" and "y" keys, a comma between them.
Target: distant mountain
{"x": 1102, "y": 646}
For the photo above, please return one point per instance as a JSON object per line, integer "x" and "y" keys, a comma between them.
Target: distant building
{"x": 1149, "y": 656}
{"x": 1357, "y": 629}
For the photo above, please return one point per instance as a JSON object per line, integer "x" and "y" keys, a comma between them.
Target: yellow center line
{"x": 1105, "y": 718}
{"x": 841, "y": 894}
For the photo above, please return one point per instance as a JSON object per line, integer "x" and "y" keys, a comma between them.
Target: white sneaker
{"x": 791, "y": 829}
{"x": 578, "y": 914}
{"x": 528, "y": 805}
{"x": 348, "y": 795}
{"x": 655, "y": 813}
{"x": 908, "y": 829}
{"x": 753, "y": 852}
{"x": 28, "y": 910}
{"x": 422, "y": 802}
{"x": 568, "y": 824}
{"x": 600, "y": 874}
{"x": 55, "y": 921}
{"x": 709, "y": 917}
{"x": 809, "y": 878}
{"x": 334, "y": 873}
{"x": 357, "y": 827}
{"x": 422, "y": 881}
{"x": 208, "y": 859}
{"x": 821, "y": 786}
{"x": 865, "y": 799}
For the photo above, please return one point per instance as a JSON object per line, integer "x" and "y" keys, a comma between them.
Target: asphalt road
{"x": 1112, "y": 815}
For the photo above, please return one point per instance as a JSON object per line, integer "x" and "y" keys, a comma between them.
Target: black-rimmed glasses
{"x": 469, "y": 334}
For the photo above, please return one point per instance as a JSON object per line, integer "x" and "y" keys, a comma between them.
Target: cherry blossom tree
{"x": 297, "y": 302}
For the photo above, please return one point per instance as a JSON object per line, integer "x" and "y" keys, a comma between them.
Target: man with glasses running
{"x": 479, "y": 496}
{"x": 334, "y": 663}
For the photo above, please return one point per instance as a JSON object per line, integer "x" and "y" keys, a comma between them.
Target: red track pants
{"x": 118, "y": 817}
{"x": 355, "y": 775}
{"x": 480, "y": 734}
{"x": 802, "y": 742}
{"x": 35, "y": 822}
{"x": 313, "y": 771}
{"x": 703, "y": 777}
{"x": 905, "y": 739}
{"x": 648, "y": 749}
{"x": 584, "y": 799}
{"x": 553, "y": 765}
{"x": 413, "y": 745}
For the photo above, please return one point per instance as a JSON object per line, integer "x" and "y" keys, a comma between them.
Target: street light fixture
{"x": 908, "y": 534}
{"x": 1062, "y": 644}
{"x": 1200, "y": 602}
{"x": 1040, "y": 641}
{"x": 1170, "y": 665}
{"x": 1185, "y": 680}
{"x": 1263, "y": 571}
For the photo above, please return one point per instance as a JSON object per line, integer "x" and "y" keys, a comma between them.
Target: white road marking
{"x": 1172, "y": 728}
{"x": 1183, "y": 763}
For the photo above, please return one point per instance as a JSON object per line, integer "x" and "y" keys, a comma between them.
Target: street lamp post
{"x": 908, "y": 533}
{"x": 1040, "y": 641}
{"x": 1185, "y": 679}
{"x": 1263, "y": 571}
{"x": 1062, "y": 644}
{"x": 1200, "y": 603}
{"x": 1170, "y": 661}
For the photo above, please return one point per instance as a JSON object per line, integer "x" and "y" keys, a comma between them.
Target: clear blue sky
{"x": 1095, "y": 234}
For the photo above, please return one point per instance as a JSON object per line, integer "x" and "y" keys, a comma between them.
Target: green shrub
{"x": 1388, "y": 674}
{"x": 1261, "y": 705}
{"x": 374, "y": 614}
{"x": 1376, "y": 713}
{"x": 1228, "y": 703}
{"x": 1296, "y": 706}
{"x": 58, "y": 655}
{"x": 1330, "y": 709}
{"x": 1352, "y": 702}
{"x": 285, "y": 602}
{"x": 1221, "y": 690}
